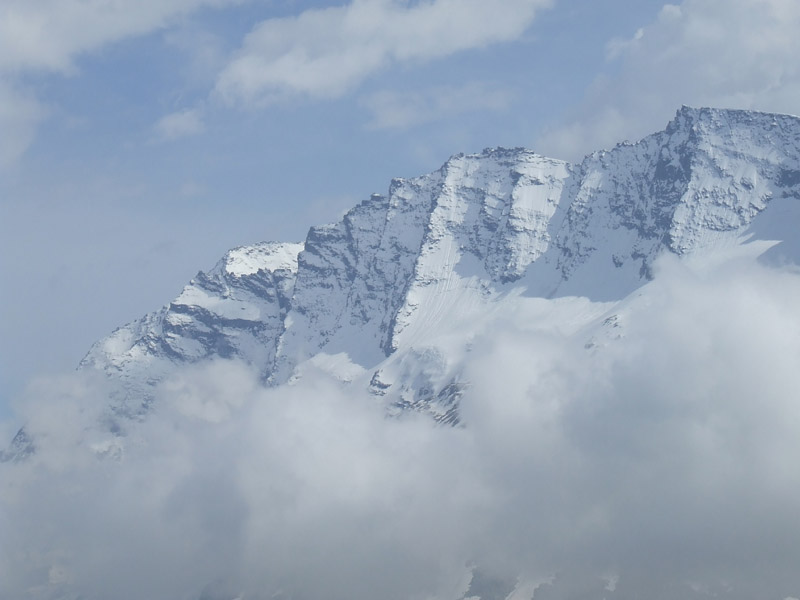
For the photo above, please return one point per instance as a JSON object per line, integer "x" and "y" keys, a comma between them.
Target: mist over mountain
{"x": 513, "y": 378}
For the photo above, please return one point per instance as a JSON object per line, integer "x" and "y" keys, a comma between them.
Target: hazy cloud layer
{"x": 720, "y": 53}
{"x": 401, "y": 110}
{"x": 661, "y": 465}
{"x": 20, "y": 114}
{"x": 327, "y": 52}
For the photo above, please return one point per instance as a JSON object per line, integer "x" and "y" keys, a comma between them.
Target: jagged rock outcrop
{"x": 696, "y": 185}
{"x": 236, "y": 310}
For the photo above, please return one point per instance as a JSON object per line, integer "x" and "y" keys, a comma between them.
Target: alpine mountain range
{"x": 388, "y": 298}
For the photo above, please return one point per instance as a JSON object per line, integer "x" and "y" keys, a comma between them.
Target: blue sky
{"x": 141, "y": 139}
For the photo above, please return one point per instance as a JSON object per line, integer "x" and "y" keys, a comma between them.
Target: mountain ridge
{"x": 446, "y": 247}
{"x": 359, "y": 283}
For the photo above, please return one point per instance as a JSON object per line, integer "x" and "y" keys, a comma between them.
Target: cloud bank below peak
{"x": 662, "y": 461}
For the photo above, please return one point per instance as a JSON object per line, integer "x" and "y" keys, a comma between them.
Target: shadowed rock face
{"x": 375, "y": 285}
{"x": 20, "y": 448}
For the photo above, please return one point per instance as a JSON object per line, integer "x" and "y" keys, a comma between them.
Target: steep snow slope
{"x": 382, "y": 291}
{"x": 478, "y": 221}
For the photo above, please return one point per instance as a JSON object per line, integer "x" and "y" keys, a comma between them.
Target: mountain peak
{"x": 265, "y": 256}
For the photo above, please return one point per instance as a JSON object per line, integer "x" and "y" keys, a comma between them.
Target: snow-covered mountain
{"x": 619, "y": 363}
{"x": 389, "y": 296}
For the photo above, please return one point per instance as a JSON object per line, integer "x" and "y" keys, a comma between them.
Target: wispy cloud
{"x": 20, "y": 114}
{"x": 327, "y": 52}
{"x": 183, "y": 123}
{"x": 49, "y": 34}
{"x": 404, "y": 109}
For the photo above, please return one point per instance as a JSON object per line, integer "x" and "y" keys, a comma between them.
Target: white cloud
{"x": 326, "y": 52}
{"x": 616, "y": 47}
{"x": 664, "y": 461}
{"x": 400, "y": 110}
{"x": 722, "y": 53}
{"x": 50, "y": 34}
{"x": 179, "y": 124}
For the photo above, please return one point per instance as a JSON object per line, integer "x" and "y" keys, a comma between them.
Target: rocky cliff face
{"x": 381, "y": 288}
{"x": 236, "y": 310}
